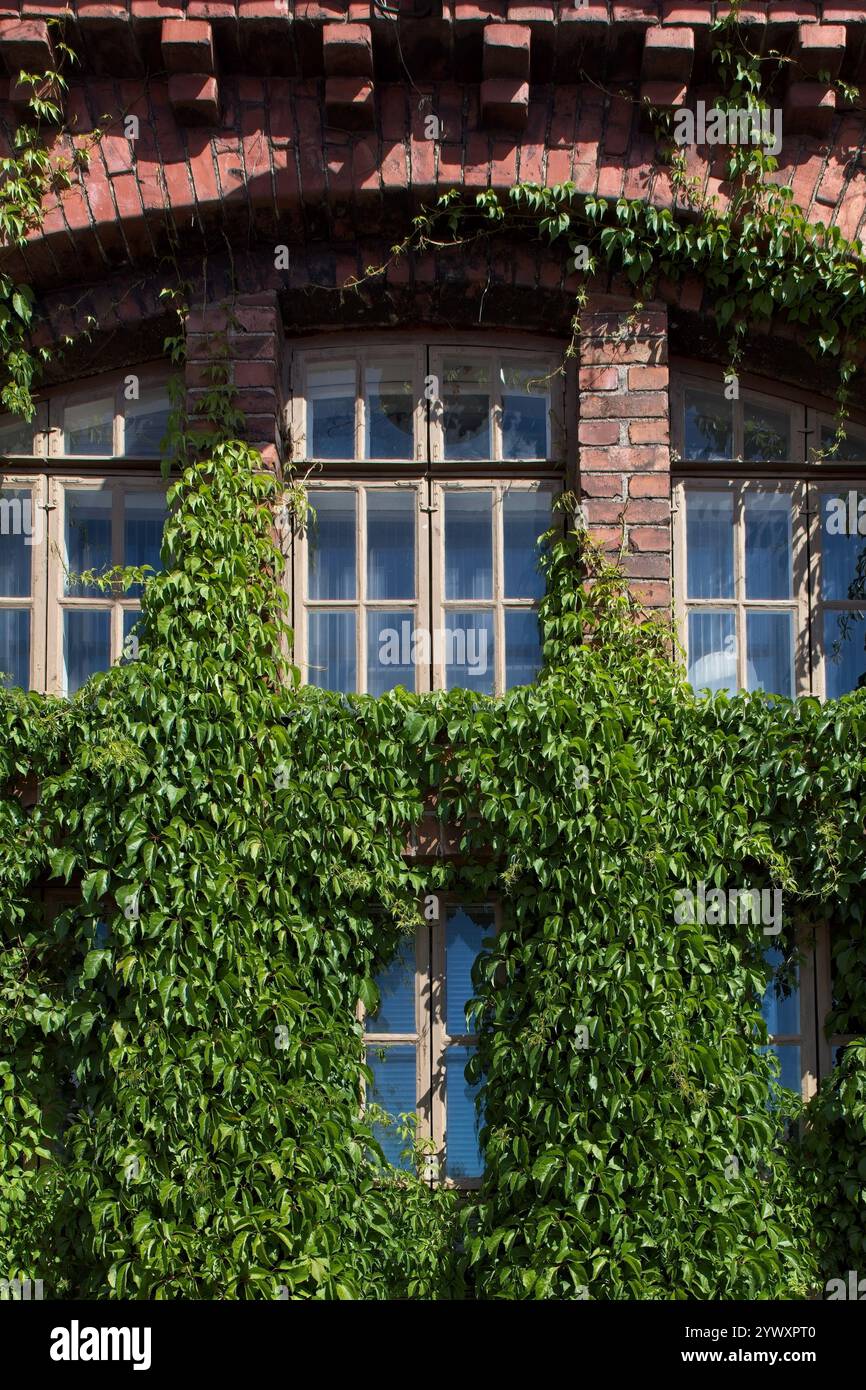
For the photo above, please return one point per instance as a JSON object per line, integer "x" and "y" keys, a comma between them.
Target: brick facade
{"x": 219, "y": 133}
{"x": 247, "y": 334}
{"x": 624, "y": 439}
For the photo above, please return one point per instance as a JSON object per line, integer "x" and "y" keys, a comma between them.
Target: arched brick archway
{"x": 220, "y": 132}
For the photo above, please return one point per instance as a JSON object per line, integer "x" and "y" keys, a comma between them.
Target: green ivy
{"x": 27, "y": 175}
{"x": 181, "y": 1092}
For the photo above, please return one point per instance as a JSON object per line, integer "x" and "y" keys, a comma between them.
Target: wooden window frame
{"x": 712, "y": 380}
{"x": 423, "y": 356}
{"x": 797, "y": 604}
{"x": 822, "y": 419}
{"x": 493, "y": 359}
{"x": 807, "y": 1038}
{"x": 48, "y": 472}
{"x": 430, "y": 1038}
{"x": 406, "y": 355}
{"x": 35, "y": 604}
{"x": 430, "y": 608}
{"x": 39, "y": 434}
{"x": 420, "y": 1038}
{"x": 821, "y": 605}
{"x": 498, "y": 604}
{"x": 360, "y": 605}
{"x": 427, "y": 471}
{"x": 47, "y": 424}
{"x": 48, "y": 602}
{"x": 111, "y": 385}
{"x": 806, "y": 478}
{"x": 118, "y": 485}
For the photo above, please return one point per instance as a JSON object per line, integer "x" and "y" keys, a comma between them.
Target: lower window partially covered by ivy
{"x": 213, "y": 874}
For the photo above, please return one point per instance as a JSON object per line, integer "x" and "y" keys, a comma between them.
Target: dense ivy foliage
{"x": 182, "y": 1056}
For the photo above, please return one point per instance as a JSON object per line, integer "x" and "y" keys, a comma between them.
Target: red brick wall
{"x": 246, "y": 336}
{"x": 624, "y": 437}
{"x": 262, "y": 123}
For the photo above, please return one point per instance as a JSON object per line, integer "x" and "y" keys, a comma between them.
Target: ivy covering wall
{"x": 180, "y": 1084}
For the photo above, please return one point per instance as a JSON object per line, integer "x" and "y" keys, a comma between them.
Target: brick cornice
{"x": 276, "y": 163}
{"x": 441, "y": 37}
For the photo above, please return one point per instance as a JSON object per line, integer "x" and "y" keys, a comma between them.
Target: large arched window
{"x": 431, "y": 469}
{"x": 80, "y": 493}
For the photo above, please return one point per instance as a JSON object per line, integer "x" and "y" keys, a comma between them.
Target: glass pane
{"x": 713, "y": 652}
{"x": 466, "y": 410}
{"x": 851, "y": 449}
{"x": 86, "y": 646}
{"x": 526, "y": 517}
{"x": 525, "y": 411}
{"x": 88, "y": 428}
{"x": 468, "y": 545}
{"x": 391, "y": 544}
{"x": 146, "y": 421}
{"x": 467, "y": 644}
{"x": 709, "y": 426}
{"x": 768, "y": 544}
{"x": 15, "y": 647}
{"x": 131, "y": 635}
{"x": 710, "y": 544}
{"x": 393, "y": 1089}
{"x": 396, "y": 1013}
{"x": 393, "y": 647}
{"x": 465, "y": 929}
{"x": 20, "y": 527}
{"x": 843, "y": 544}
{"x": 770, "y": 653}
{"x": 331, "y": 411}
{"x": 844, "y": 653}
{"x": 331, "y": 539}
{"x": 143, "y": 521}
{"x": 780, "y": 1010}
{"x": 331, "y": 663}
{"x": 462, "y": 1121}
{"x": 389, "y": 427}
{"x": 789, "y": 1057}
{"x": 766, "y": 434}
{"x": 522, "y": 647}
{"x": 16, "y": 436}
{"x": 88, "y": 536}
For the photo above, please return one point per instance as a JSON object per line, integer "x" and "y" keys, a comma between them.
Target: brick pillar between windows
{"x": 624, "y": 437}
{"x": 250, "y": 326}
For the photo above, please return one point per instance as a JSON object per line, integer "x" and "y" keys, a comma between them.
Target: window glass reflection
{"x": 766, "y": 434}
{"x": 466, "y": 410}
{"x": 525, "y": 411}
{"x": 468, "y": 545}
{"x": 331, "y": 411}
{"x": 710, "y": 544}
{"x": 389, "y": 412}
{"x": 768, "y": 544}
{"x": 88, "y": 428}
{"x": 709, "y": 426}
{"x": 331, "y": 544}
